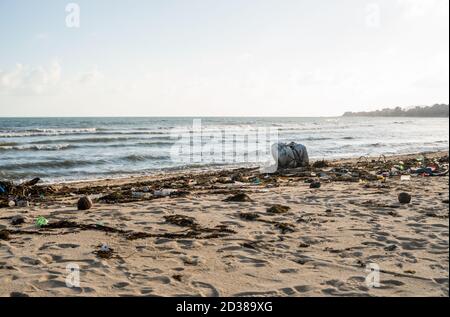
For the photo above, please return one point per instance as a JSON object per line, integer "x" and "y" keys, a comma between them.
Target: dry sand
{"x": 336, "y": 231}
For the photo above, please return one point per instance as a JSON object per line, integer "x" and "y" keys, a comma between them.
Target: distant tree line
{"x": 438, "y": 110}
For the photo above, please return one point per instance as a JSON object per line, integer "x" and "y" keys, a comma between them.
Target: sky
{"x": 221, "y": 58}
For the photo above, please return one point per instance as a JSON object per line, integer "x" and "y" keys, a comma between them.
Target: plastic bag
{"x": 290, "y": 155}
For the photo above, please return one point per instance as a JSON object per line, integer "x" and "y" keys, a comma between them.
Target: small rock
{"x": 241, "y": 197}
{"x": 85, "y": 203}
{"x": 285, "y": 227}
{"x": 180, "y": 220}
{"x": 249, "y": 216}
{"x": 4, "y": 234}
{"x": 404, "y": 198}
{"x": 178, "y": 277}
{"x": 23, "y": 203}
{"x": 11, "y": 203}
{"x": 304, "y": 245}
{"x": 393, "y": 214}
{"x": 17, "y": 220}
{"x": 278, "y": 209}
{"x": 315, "y": 185}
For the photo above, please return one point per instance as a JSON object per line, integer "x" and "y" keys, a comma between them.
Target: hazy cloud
{"x": 41, "y": 36}
{"x": 421, "y": 8}
{"x": 91, "y": 77}
{"x": 30, "y": 80}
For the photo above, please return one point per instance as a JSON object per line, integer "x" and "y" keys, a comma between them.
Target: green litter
{"x": 41, "y": 221}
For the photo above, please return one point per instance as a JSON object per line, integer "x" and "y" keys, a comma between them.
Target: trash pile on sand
{"x": 21, "y": 195}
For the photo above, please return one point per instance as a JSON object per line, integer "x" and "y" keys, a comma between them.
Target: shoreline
{"x": 173, "y": 172}
{"x": 236, "y": 233}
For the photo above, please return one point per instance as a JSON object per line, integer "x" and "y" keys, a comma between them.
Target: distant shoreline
{"x": 435, "y": 111}
{"x": 388, "y": 116}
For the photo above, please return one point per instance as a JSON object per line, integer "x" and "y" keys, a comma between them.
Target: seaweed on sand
{"x": 180, "y": 220}
{"x": 196, "y": 231}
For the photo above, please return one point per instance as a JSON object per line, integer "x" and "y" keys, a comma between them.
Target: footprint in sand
{"x": 146, "y": 290}
{"x": 303, "y": 288}
{"x": 188, "y": 244}
{"x": 160, "y": 279}
{"x": 289, "y": 271}
{"x": 335, "y": 292}
{"x": 68, "y": 245}
{"x": 121, "y": 285}
{"x": 388, "y": 284}
{"x": 193, "y": 260}
{"x": 30, "y": 261}
{"x": 206, "y": 289}
{"x": 256, "y": 294}
{"x": 55, "y": 284}
{"x": 48, "y": 245}
{"x": 287, "y": 291}
{"x": 250, "y": 260}
{"x": 340, "y": 285}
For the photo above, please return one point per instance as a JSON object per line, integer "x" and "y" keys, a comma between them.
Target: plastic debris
{"x": 140, "y": 195}
{"x": 405, "y": 178}
{"x": 105, "y": 248}
{"x": 41, "y": 221}
{"x": 164, "y": 192}
{"x": 290, "y": 155}
{"x": 105, "y": 251}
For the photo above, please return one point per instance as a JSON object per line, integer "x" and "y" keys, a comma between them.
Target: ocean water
{"x": 67, "y": 149}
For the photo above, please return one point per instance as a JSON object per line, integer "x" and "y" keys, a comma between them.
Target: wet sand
{"x": 194, "y": 243}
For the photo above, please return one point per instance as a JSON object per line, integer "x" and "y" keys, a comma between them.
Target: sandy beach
{"x": 283, "y": 238}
